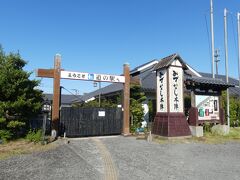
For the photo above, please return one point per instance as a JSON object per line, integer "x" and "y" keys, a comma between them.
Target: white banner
{"x": 176, "y": 89}
{"x": 162, "y": 91}
{"x": 92, "y": 77}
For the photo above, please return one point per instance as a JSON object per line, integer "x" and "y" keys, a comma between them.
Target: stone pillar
{"x": 56, "y": 95}
{"x": 126, "y": 99}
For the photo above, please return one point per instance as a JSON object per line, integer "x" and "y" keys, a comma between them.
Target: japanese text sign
{"x": 162, "y": 91}
{"x": 176, "y": 89}
{"x": 92, "y": 77}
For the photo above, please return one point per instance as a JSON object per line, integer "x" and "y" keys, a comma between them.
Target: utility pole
{"x": 99, "y": 96}
{"x": 226, "y": 61}
{"x": 212, "y": 36}
{"x": 217, "y": 55}
{"x": 238, "y": 22}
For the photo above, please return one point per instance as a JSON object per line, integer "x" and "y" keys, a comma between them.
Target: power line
{"x": 234, "y": 38}
{"x": 71, "y": 93}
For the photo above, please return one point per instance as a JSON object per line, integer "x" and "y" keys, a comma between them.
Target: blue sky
{"x": 101, "y": 35}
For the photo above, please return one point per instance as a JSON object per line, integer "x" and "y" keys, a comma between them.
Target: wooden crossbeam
{"x": 47, "y": 73}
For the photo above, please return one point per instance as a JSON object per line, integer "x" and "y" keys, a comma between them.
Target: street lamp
{"x": 46, "y": 108}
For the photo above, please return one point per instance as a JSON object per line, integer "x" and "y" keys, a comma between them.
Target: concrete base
{"x": 196, "y": 131}
{"x": 171, "y": 138}
{"x": 220, "y": 129}
{"x": 126, "y": 134}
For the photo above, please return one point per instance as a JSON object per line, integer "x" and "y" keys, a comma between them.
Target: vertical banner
{"x": 162, "y": 91}
{"x": 176, "y": 88}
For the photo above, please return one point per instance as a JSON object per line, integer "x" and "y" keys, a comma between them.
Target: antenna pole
{"x": 217, "y": 59}
{"x": 212, "y": 36}
{"x": 226, "y": 61}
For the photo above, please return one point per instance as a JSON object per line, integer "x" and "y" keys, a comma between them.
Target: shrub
{"x": 34, "y": 136}
{"x": 207, "y": 127}
{"x": 5, "y": 135}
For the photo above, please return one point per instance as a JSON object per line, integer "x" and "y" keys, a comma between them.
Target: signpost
{"x": 57, "y": 73}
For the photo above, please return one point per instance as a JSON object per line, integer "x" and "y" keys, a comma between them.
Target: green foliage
{"x": 207, "y": 127}
{"x": 15, "y": 124}
{"x": 137, "y": 97}
{"x": 5, "y": 135}
{"x": 234, "y": 108}
{"x": 151, "y": 110}
{"x": 2, "y": 120}
{"x": 19, "y": 99}
{"x": 34, "y": 136}
{"x": 234, "y": 133}
{"x": 95, "y": 103}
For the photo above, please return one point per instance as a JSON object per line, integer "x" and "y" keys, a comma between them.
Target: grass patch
{"x": 208, "y": 138}
{"x": 22, "y": 146}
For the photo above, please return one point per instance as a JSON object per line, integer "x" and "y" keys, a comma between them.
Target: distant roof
{"x": 65, "y": 98}
{"x": 105, "y": 90}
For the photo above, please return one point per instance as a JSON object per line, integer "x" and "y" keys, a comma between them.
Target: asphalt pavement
{"x": 126, "y": 158}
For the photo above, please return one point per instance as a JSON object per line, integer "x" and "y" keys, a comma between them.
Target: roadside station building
{"x": 147, "y": 80}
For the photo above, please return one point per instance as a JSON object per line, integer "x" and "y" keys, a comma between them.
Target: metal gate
{"x": 81, "y": 122}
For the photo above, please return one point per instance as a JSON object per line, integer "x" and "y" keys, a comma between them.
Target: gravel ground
{"x": 127, "y": 158}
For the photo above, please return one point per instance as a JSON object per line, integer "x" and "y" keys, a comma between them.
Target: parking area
{"x": 126, "y": 158}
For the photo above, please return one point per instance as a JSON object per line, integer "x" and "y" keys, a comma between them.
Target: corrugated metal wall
{"x": 82, "y": 122}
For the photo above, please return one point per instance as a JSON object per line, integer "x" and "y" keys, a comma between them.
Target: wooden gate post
{"x": 126, "y": 99}
{"x": 56, "y": 95}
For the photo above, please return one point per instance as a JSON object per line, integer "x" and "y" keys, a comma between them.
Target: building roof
{"x": 167, "y": 61}
{"x": 116, "y": 87}
{"x": 112, "y": 88}
{"x": 222, "y": 77}
{"x": 144, "y": 66}
{"x": 208, "y": 82}
{"x": 65, "y": 98}
{"x": 147, "y": 76}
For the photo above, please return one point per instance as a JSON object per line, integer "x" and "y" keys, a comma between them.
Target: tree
{"x": 137, "y": 97}
{"x": 234, "y": 108}
{"x": 105, "y": 103}
{"x": 19, "y": 100}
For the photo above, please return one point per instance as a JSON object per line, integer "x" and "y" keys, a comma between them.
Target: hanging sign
{"x": 92, "y": 77}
